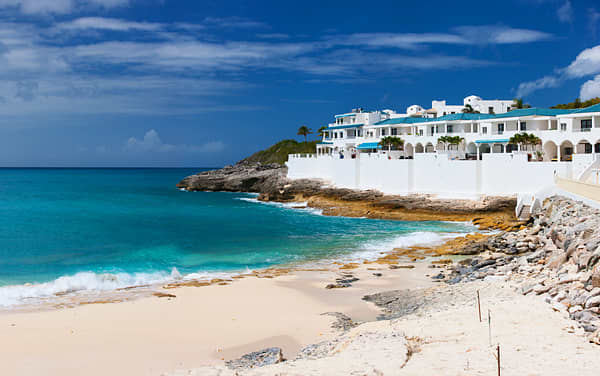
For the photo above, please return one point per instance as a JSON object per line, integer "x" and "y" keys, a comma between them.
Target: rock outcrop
{"x": 557, "y": 257}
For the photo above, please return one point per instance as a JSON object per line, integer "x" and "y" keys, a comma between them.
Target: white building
{"x": 484, "y": 106}
{"x": 482, "y": 161}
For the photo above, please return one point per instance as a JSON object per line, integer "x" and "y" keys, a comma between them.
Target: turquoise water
{"x": 81, "y": 229}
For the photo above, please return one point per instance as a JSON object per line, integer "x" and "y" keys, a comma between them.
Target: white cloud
{"x": 527, "y": 88}
{"x": 586, "y": 63}
{"x": 58, "y": 6}
{"x": 113, "y": 24}
{"x": 234, "y": 23}
{"x": 153, "y": 143}
{"x": 565, "y": 12}
{"x": 462, "y": 35}
{"x": 590, "y": 89}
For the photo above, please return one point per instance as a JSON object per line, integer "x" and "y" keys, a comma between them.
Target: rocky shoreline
{"x": 271, "y": 183}
{"x": 556, "y": 257}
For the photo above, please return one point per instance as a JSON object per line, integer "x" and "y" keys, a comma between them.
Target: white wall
{"x": 496, "y": 174}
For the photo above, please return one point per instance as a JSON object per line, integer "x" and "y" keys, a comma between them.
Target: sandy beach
{"x": 200, "y": 328}
{"x": 202, "y": 325}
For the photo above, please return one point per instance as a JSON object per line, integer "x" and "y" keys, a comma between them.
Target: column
{"x": 558, "y": 153}
{"x": 478, "y": 151}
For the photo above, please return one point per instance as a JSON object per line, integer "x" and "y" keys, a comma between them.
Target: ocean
{"x": 70, "y": 230}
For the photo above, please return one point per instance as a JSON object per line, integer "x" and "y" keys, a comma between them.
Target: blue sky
{"x": 205, "y": 83}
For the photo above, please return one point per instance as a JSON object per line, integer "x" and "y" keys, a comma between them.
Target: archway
{"x": 550, "y": 151}
{"x": 566, "y": 151}
{"x": 597, "y": 147}
{"x": 483, "y": 149}
{"x": 419, "y": 148}
{"x": 584, "y": 147}
{"x": 498, "y": 148}
{"x": 409, "y": 151}
{"x": 440, "y": 146}
{"x": 429, "y": 148}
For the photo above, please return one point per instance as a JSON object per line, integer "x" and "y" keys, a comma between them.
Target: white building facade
{"x": 484, "y": 161}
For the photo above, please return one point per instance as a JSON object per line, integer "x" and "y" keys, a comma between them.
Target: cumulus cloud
{"x": 151, "y": 142}
{"x": 565, "y": 12}
{"x": 590, "y": 89}
{"x": 527, "y": 88}
{"x": 587, "y": 63}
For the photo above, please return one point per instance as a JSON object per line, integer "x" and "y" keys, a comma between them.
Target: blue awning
{"x": 492, "y": 141}
{"x": 325, "y": 143}
{"x": 369, "y": 145}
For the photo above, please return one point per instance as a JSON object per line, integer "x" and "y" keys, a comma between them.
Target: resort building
{"x": 461, "y": 153}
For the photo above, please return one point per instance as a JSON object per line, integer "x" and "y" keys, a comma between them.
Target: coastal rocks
{"x": 342, "y": 321}
{"x": 560, "y": 261}
{"x": 272, "y": 355}
{"x": 242, "y": 177}
{"x": 345, "y": 280}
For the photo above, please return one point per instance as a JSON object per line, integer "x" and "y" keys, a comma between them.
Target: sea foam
{"x": 302, "y": 206}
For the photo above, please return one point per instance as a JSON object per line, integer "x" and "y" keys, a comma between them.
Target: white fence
{"x": 496, "y": 174}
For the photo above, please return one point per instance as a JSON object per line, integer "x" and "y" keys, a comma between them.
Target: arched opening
{"x": 419, "y": 148}
{"x": 429, "y": 148}
{"x": 471, "y": 151}
{"x": 550, "y": 151}
{"x": 483, "y": 149}
{"x": 511, "y": 147}
{"x": 409, "y": 151}
{"x": 440, "y": 146}
{"x": 566, "y": 151}
{"x": 497, "y": 148}
{"x": 597, "y": 147}
{"x": 584, "y": 147}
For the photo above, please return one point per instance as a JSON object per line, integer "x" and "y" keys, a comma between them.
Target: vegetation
{"x": 304, "y": 131}
{"x": 469, "y": 110}
{"x": 392, "y": 142}
{"x": 525, "y": 139}
{"x": 577, "y": 103}
{"x": 278, "y": 153}
{"x": 321, "y": 131}
{"x": 518, "y": 103}
{"x": 450, "y": 140}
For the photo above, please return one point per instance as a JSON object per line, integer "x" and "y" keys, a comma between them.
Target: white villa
{"x": 484, "y": 162}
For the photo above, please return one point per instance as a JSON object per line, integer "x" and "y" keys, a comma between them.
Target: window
{"x": 588, "y": 148}
{"x": 360, "y": 133}
{"x": 507, "y": 108}
{"x": 563, "y": 127}
{"x": 501, "y": 128}
{"x": 586, "y": 125}
{"x": 484, "y": 130}
{"x": 335, "y": 135}
{"x": 394, "y": 131}
{"x": 449, "y": 128}
{"x": 453, "y": 112}
{"x": 383, "y": 131}
{"x": 490, "y": 110}
{"x": 444, "y": 113}
{"x": 523, "y": 126}
{"x": 420, "y": 132}
{"x": 597, "y": 148}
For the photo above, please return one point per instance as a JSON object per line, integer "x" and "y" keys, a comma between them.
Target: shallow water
{"x": 65, "y": 230}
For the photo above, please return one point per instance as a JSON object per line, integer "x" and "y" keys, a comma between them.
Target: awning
{"x": 492, "y": 141}
{"x": 325, "y": 143}
{"x": 369, "y": 145}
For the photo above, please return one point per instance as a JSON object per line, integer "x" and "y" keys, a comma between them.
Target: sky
{"x": 203, "y": 83}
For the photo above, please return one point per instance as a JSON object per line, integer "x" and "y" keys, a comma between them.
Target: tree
{"x": 518, "y": 103}
{"x": 450, "y": 140}
{"x": 469, "y": 110}
{"x": 321, "y": 131}
{"x": 577, "y": 103}
{"x": 391, "y": 142}
{"x": 304, "y": 131}
{"x": 525, "y": 139}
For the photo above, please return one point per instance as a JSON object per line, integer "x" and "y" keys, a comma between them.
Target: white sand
{"x": 202, "y": 325}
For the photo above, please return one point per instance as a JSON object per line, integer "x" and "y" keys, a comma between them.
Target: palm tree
{"x": 304, "y": 131}
{"x": 525, "y": 139}
{"x": 450, "y": 140}
{"x": 469, "y": 109}
{"x": 321, "y": 131}
{"x": 518, "y": 103}
{"x": 391, "y": 141}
